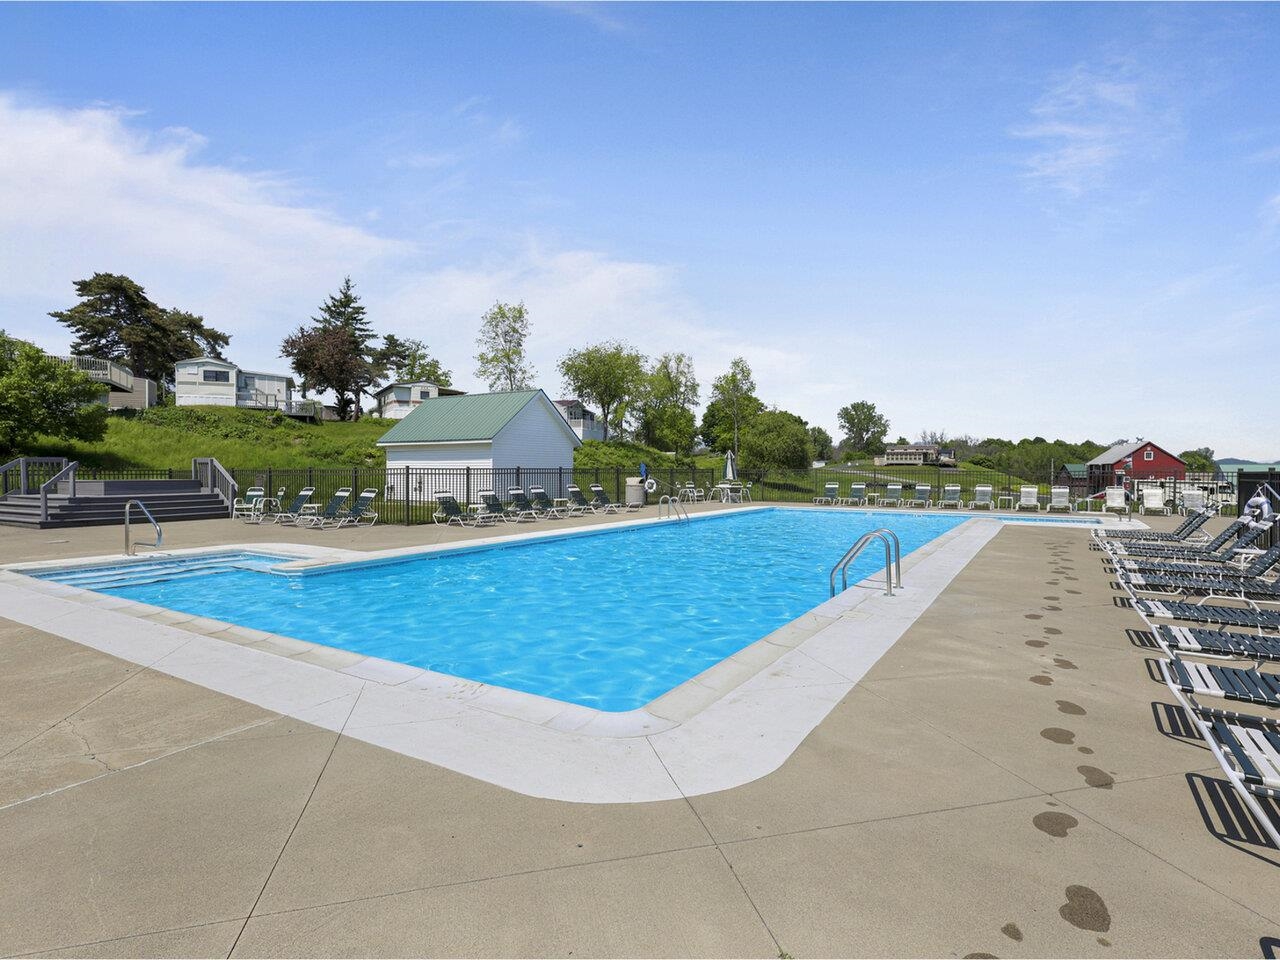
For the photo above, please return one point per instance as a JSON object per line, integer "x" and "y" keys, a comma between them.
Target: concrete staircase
{"x": 101, "y": 502}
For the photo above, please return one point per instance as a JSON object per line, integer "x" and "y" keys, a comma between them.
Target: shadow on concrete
{"x": 1228, "y": 819}
{"x": 1142, "y": 638}
{"x": 1172, "y": 721}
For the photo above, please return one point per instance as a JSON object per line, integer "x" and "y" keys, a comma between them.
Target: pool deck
{"x": 1006, "y": 780}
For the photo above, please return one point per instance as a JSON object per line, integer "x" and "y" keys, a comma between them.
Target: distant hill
{"x": 1236, "y": 462}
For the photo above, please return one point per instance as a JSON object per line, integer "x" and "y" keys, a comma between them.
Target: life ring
{"x": 650, "y": 485}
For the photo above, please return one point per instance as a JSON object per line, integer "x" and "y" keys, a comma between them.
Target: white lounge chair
{"x": 1153, "y": 501}
{"x": 950, "y": 496}
{"x": 830, "y": 491}
{"x": 983, "y": 497}
{"x": 1028, "y": 498}
{"x": 1192, "y": 501}
{"x": 920, "y": 497}
{"x": 1116, "y": 501}
{"x": 892, "y": 494}
{"x": 1059, "y": 499}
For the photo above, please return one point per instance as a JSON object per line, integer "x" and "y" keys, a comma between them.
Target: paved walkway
{"x": 1007, "y": 780}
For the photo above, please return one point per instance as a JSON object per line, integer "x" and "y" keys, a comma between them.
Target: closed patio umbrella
{"x": 730, "y": 467}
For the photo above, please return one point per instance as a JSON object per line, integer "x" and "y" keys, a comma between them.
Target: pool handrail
{"x": 892, "y": 560}
{"x": 130, "y": 547}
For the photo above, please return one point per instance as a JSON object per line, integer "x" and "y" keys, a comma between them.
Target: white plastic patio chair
{"x": 1153, "y": 501}
{"x": 950, "y": 496}
{"x": 1193, "y": 500}
{"x": 1029, "y": 497}
{"x": 982, "y": 497}
{"x": 830, "y": 491}
{"x": 1060, "y": 499}
{"x": 892, "y": 494}
{"x": 248, "y": 507}
{"x": 1116, "y": 501}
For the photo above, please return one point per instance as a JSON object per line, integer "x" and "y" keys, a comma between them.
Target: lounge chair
{"x": 921, "y": 496}
{"x": 1153, "y": 501}
{"x": 1193, "y": 500}
{"x": 1239, "y": 566}
{"x": 358, "y": 514}
{"x": 545, "y": 506}
{"x": 1115, "y": 501}
{"x": 830, "y": 492}
{"x": 521, "y": 508}
{"x": 1219, "y": 643}
{"x": 601, "y": 503}
{"x": 1028, "y": 497}
{"x": 1215, "y": 680}
{"x": 450, "y": 511}
{"x": 982, "y": 497}
{"x": 578, "y": 503}
{"x": 857, "y": 496}
{"x": 1059, "y": 499}
{"x": 1189, "y": 526}
{"x": 1245, "y": 588}
{"x": 294, "y": 510}
{"x": 892, "y": 494}
{"x": 330, "y": 513}
{"x": 1220, "y": 548}
{"x": 249, "y": 506}
{"x": 491, "y": 507}
{"x": 1208, "y": 613}
{"x": 950, "y": 497}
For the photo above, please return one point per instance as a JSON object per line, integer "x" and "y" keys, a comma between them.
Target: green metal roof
{"x": 1076, "y": 469}
{"x": 472, "y": 416}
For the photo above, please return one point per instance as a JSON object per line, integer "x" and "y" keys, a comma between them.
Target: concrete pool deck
{"x": 944, "y": 807}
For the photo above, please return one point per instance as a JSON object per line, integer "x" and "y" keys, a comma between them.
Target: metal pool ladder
{"x": 669, "y": 506}
{"x": 892, "y": 560}
{"x": 129, "y": 546}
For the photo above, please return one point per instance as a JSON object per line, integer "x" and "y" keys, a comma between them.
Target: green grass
{"x": 627, "y": 455}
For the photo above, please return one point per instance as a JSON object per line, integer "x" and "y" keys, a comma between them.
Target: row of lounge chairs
{"x": 921, "y": 496}
{"x": 535, "y": 505}
{"x": 1213, "y": 605}
{"x": 256, "y": 507}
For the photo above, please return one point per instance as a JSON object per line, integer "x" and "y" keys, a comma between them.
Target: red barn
{"x": 1139, "y": 460}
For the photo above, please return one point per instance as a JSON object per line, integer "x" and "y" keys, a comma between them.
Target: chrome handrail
{"x": 129, "y": 546}
{"x": 669, "y": 506}
{"x": 69, "y": 471}
{"x": 892, "y": 561}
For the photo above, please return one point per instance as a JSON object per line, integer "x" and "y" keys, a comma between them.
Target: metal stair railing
{"x": 66, "y": 473}
{"x": 669, "y": 506}
{"x": 129, "y": 546}
{"x": 215, "y": 478}
{"x": 892, "y": 560}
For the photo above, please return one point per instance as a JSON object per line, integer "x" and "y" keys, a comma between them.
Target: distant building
{"x": 395, "y": 400}
{"x": 209, "y": 381}
{"x": 1074, "y": 476}
{"x": 121, "y": 389}
{"x": 916, "y": 455}
{"x": 581, "y": 419}
{"x": 1137, "y": 460}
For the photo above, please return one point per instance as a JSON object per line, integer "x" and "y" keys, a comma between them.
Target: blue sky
{"x": 999, "y": 220}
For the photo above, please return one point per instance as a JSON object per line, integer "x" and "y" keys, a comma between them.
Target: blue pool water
{"x": 609, "y": 620}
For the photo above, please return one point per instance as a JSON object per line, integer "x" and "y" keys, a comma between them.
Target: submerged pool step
{"x": 92, "y": 578}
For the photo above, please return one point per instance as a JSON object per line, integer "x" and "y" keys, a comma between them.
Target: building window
{"x": 217, "y": 376}
{"x": 1149, "y": 455}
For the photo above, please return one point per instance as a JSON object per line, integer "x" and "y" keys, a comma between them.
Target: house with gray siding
{"x": 210, "y": 381}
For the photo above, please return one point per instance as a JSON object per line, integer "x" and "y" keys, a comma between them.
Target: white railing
{"x": 66, "y": 473}
{"x": 104, "y": 371}
{"x": 216, "y": 478}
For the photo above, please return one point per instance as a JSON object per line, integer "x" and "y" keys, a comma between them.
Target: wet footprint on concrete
{"x": 1058, "y": 735}
{"x": 1085, "y": 910}
{"x": 1074, "y": 593}
{"x": 1011, "y": 931}
{"x": 1052, "y": 583}
{"x": 1052, "y": 608}
{"x": 1037, "y": 643}
{"x": 1074, "y": 709}
{"x": 1041, "y": 679}
{"x": 1053, "y": 823}
{"x": 980, "y": 956}
{"x": 1063, "y": 664}
{"x": 1053, "y": 631}
{"x": 1096, "y": 778}
{"x": 1033, "y": 616}
{"x": 1051, "y": 598}
{"x": 1085, "y": 750}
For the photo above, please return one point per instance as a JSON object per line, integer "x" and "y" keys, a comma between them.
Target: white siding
{"x": 476, "y": 455}
{"x": 537, "y": 436}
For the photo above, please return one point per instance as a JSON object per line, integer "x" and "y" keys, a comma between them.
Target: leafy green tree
{"x": 864, "y": 427}
{"x": 735, "y": 390}
{"x": 664, "y": 410}
{"x": 776, "y": 438}
{"x": 821, "y": 442}
{"x": 607, "y": 375}
{"x": 717, "y": 421}
{"x": 1199, "y": 460}
{"x": 40, "y": 395}
{"x": 409, "y": 361}
{"x": 337, "y": 353}
{"x": 501, "y": 361}
{"x": 116, "y": 320}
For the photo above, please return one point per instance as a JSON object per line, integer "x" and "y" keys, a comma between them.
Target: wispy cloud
{"x": 1091, "y": 121}
{"x": 602, "y": 16}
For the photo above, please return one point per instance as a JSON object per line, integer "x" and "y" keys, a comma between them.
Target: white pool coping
{"x": 733, "y": 723}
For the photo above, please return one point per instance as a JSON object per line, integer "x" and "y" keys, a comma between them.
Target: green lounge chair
{"x": 360, "y": 514}
{"x": 921, "y": 496}
{"x": 330, "y": 513}
{"x": 520, "y": 507}
{"x": 830, "y": 493}
{"x": 601, "y": 503}
{"x": 545, "y": 506}
{"x": 578, "y": 503}
{"x": 448, "y": 511}
{"x": 857, "y": 496}
{"x": 491, "y": 507}
{"x": 950, "y": 496}
{"x": 892, "y": 494}
{"x": 295, "y": 508}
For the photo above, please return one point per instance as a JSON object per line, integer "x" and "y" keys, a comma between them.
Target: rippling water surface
{"x": 610, "y": 621}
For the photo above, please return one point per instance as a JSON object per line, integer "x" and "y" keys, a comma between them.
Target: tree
{"x": 776, "y": 438}
{"x": 717, "y": 421}
{"x": 733, "y": 389}
{"x": 607, "y": 375}
{"x": 663, "y": 411}
{"x": 864, "y": 427}
{"x": 823, "y": 445}
{"x": 40, "y": 395}
{"x": 1199, "y": 460}
{"x": 337, "y": 352}
{"x": 502, "y": 362}
{"x": 409, "y": 361}
{"x": 117, "y": 321}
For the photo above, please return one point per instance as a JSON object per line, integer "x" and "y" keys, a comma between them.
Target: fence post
{"x": 311, "y": 482}
{"x": 560, "y": 485}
